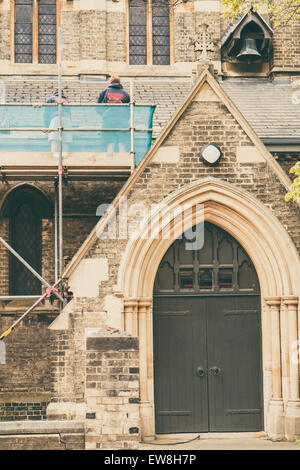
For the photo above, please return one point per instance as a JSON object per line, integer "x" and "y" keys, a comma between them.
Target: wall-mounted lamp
{"x": 210, "y": 154}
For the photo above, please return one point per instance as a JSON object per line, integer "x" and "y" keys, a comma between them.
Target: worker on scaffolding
{"x": 51, "y": 119}
{"x": 118, "y": 118}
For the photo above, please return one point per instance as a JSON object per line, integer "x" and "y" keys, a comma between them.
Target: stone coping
{"x": 41, "y": 427}
{"x": 106, "y": 342}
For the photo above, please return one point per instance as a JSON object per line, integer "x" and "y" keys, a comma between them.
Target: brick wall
{"x": 286, "y": 42}
{"x": 115, "y": 37}
{"x": 18, "y": 411}
{"x": 32, "y": 442}
{"x": 92, "y": 35}
{"x": 4, "y": 35}
{"x": 70, "y": 23}
{"x": 112, "y": 392}
{"x": 61, "y": 354}
{"x": 25, "y": 378}
{"x": 67, "y": 360}
{"x": 184, "y": 30}
{"x": 27, "y": 352}
{"x": 31, "y": 356}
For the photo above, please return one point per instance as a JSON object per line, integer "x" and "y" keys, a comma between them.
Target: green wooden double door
{"x": 207, "y": 363}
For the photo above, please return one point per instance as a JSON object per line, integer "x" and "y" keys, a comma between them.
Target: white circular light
{"x": 211, "y": 154}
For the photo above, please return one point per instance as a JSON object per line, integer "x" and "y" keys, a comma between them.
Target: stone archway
{"x": 278, "y": 268}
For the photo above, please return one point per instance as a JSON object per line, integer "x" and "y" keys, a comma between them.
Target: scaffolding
{"x": 60, "y": 171}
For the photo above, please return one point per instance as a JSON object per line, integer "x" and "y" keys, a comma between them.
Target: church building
{"x": 173, "y": 247}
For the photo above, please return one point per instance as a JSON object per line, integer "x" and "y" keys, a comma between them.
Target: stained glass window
{"x": 23, "y": 30}
{"x": 221, "y": 266}
{"x": 47, "y": 31}
{"x": 149, "y": 29}
{"x": 25, "y": 207}
{"x": 138, "y": 32}
{"x": 160, "y": 33}
{"x": 41, "y": 47}
{"x": 26, "y": 238}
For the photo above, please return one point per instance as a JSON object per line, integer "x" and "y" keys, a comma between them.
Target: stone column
{"x": 285, "y": 361}
{"x": 146, "y": 403}
{"x": 276, "y": 407}
{"x": 130, "y": 316}
{"x": 292, "y": 419}
{"x": 266, "y": 360}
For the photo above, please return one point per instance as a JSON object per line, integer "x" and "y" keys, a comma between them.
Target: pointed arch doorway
{"x": 207, "y": 338}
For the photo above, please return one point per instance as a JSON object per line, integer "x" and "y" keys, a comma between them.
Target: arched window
{"x": 25, "y": 207}
{"x": 35, "y": 31}
{"x": 149, "y": 32}
{"x": 221, "y": 267}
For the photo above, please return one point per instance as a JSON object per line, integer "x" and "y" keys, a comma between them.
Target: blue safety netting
{"x": 79, "y": 122}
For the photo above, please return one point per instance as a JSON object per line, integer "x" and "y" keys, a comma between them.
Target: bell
{"x": 249, "y": 51}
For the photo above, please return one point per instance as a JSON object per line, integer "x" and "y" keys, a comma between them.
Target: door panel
{"x": 180, "y": 350}
{"x": 234, "y": 346}
{"x": 207, "y": 353}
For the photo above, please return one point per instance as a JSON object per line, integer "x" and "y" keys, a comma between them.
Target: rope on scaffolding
{"x": 48, "y": 294}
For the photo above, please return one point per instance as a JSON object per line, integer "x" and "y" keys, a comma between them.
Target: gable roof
{"x": 272, "y": 108}
{"x": 207, "y": 79}
{"x": 240, "y": 19}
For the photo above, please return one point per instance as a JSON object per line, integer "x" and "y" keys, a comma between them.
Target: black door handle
{"x": 200, "y": 372}
{"x": 215, "y": 370}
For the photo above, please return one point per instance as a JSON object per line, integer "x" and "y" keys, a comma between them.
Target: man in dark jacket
{"x": 113, "y": 118}
{"x": 115, "y": 93}
{"x": 52, "y": 121}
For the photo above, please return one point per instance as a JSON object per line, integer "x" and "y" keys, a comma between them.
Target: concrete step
{"x": 44, "y": 435}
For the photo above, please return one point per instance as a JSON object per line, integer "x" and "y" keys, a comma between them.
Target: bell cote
{"x": 247, "y": 46}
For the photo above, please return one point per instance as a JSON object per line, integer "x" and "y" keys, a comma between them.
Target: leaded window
{"x": 220, "y": 267}
{"x": 160, "y": 33}
{"x": 23, "y": 31}
{"x": 25, "y": 207}
{"x": 138, "y": 32}
{"x": 35, "y": 31}
{"x": 26, "y": 238}
{"x": 47, "y": 31}
{"x": 149, "y": 32}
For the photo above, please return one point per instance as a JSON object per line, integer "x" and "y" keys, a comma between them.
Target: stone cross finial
{"x": 203, "y": 44}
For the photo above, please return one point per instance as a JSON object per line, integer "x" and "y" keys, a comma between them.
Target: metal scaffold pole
{"x": 60, "y": 165}
{"x": 132, "y": 150}
{"x": 56, "y": 229}
{"x": 30, "y": 268}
